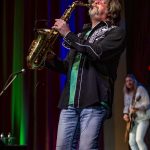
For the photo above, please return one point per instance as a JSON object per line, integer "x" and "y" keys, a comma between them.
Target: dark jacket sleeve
{"x": 57, "y": 64}
{"x": 103, "y": 49}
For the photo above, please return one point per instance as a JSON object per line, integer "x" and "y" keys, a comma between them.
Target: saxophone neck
{"x": 68, "y": 11}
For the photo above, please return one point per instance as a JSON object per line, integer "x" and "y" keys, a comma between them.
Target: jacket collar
{"x": 100, "y": 24}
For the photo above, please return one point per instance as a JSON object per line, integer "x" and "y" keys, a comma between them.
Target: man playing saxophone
{"x": 90, "y": 67}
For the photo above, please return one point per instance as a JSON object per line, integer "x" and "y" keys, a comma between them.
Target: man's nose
{"x": 95, "y": 2}
{"x": 98, "y": 1}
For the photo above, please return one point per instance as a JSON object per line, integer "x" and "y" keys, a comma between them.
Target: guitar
{"x": 132, "y": 116}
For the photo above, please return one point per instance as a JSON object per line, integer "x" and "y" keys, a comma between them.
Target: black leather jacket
{"x": 98, "y": 67}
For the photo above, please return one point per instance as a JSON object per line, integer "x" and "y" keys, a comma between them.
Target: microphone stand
{"x": 8, "y": 83}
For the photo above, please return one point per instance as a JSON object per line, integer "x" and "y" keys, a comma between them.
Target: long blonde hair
{"x": 125, "y": 89}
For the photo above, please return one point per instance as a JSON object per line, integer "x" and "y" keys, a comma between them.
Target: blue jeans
{"x": 136, "y": 136}
{"x": 83, "y": 123}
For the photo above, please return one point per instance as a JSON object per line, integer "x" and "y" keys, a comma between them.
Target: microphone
{"x": 21, "y": 71}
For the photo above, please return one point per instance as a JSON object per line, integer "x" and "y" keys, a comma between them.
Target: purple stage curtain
{"x": 138, "y": 49}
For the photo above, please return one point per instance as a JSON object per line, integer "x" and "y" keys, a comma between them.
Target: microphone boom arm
{"x": 9, "y": 83}
{"x": 4, "y": 89}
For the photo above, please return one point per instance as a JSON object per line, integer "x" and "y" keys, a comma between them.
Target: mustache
{"x": 96, "y": 12}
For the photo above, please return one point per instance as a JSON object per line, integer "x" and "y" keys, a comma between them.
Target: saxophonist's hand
{"x": 61, "y": 26}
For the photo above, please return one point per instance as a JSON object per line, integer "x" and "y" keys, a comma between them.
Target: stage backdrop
{"x": 28, "y": 108}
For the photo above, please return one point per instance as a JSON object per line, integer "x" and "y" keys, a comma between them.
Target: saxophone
{"x": 45, "y": 39}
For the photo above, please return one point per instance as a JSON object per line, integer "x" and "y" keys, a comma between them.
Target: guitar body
{"x": 129, "y": 126}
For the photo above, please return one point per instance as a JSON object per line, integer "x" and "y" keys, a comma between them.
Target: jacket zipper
{"x": 80, "y": 82}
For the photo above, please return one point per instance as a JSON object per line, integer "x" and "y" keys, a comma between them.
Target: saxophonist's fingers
{"x": 59, "y": 23}
{"x": 61, "y": 26}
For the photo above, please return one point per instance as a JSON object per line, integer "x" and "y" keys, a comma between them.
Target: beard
{"x": 94, "y": 11}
